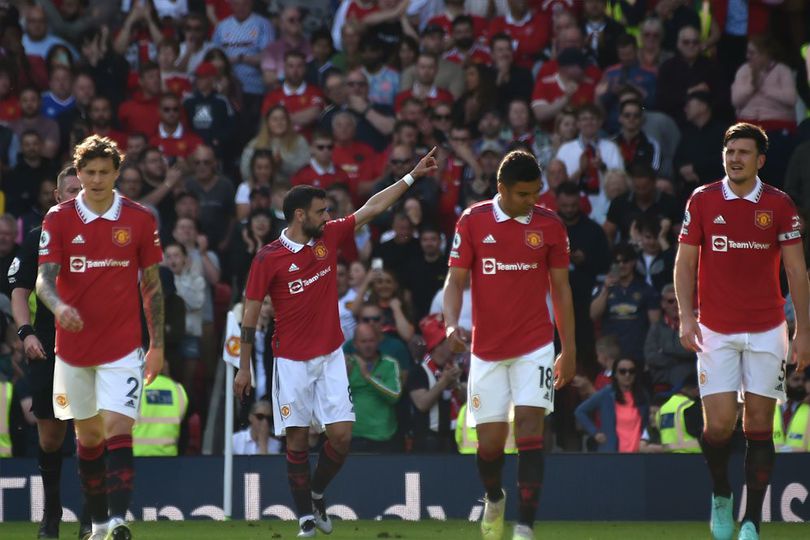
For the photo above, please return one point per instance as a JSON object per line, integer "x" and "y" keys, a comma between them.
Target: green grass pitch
{"x": 422, "y": 530}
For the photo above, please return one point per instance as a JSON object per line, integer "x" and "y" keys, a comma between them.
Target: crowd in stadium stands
{"x": 222, "y": 105}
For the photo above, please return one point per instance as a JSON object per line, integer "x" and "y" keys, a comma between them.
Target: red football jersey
{"x": 435, "y": 96}
{"x": 446, "y": 23}
{"x": 529, "y": 35}
{"x": 740, "y": 243}
{"x": 509, "y": 260}
{"x": 358, "y": 12}
{"x": 100, "y": 258}
{"x": 314, "y": 175}
{"x": 548, "y": 90}
{"x": 304, "y": 97}
{"x": 301, "y": 282}
{"x": 360, "y": 164}
{"x": 10, "y": 109}
{"x": 119, "y": 137}
{"x": 139, "y": 115}
{"x": 477, "y": 55}
{"x": 180, "y": 144}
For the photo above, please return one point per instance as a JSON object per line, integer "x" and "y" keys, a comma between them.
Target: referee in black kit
{"x": 38, "y": 347}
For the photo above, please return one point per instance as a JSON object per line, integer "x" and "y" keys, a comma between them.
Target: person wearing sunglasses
{"x": 257, "y": 439}
{"x": 173, "y": 138}
{"x": 635, "y": 145}
{"x": 623, "y": 409}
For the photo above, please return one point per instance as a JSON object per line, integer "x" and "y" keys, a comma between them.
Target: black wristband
{"x": 25, "y": 331}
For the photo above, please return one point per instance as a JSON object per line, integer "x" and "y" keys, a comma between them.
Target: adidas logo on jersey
{"x": 78, "y": 240}
{"x": 130, "y": 403}
{"x": 719, "y": 220}
{"x": 293, "y": 268}
{"x": 489, "y": 239}
{"x": 780, "y": 387}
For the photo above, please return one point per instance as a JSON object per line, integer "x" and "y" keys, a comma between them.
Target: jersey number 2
{"x": 133, "y": 392}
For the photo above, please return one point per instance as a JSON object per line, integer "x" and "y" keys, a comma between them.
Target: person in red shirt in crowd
{"x": 465, "y": 47}
{"x": 569, "y": 38}
{"x": 298, "y": 271}
{"x": 172, "y": 138}
{"x": 424, "y": 85}
{"x": 100, "y": 119}
{"x": 740, "y": 334}
{"x": 514, "y": 252}
{"x": 140, "y": 113}
{"x": 102, "y": 242}
{"x": 528, "y": 29}
{"x": 358, "y": 160}
{"x": 172, "y": 79}
{"x": 452, "y": 10}
{"x": 291, "y": 38}
{"x": 321, "y": 171}
{"x": 556, "y": 174}
{"x": 303, "y": 101}
{"x": 9, "y": 103}
{"x": 569, "y": 87}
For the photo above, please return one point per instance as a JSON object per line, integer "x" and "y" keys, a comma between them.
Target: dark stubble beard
{"x": 312, "y": 231}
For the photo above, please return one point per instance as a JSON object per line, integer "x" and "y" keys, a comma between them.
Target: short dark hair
{"x": 567, "y": 188}
{"x": 625, "y": 251}
{"x": 635, "y": 102}
{"x": 649, "y": 224}
{"x": 500, "y": 36}
{"x": 70, "y": 170}
{"x": 300, "y": 198}
{"x": 175, "y": 243}
{"x": 94, "y": 147}
{"x": 641, "y": 170}
{"x": 518, "y": 166}
{"x": 462, "y": 19}
{"x": 146, "y": 67}
{"x": 319, "y": 133}
{"x": 591, "y": 108}
{"x": 429, "y": 226}
{"x": 743, "y": 130}
{"x": 295, "y": 53}
{"x": 625, "y": 40}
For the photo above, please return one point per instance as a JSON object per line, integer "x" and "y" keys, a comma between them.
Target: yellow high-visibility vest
{"x": 467, "y": 436}
{"x": 798, "y": 433}
{"x": 778, "y": 427}
{"x": 671, "y": 423}
{"x": 157, "y": 430}
{"x": 6, "y": 391}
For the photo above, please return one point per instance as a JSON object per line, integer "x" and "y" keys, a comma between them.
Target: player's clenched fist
{"x": 68, "y": 318}
{"x": 459, "y": 339}
{"x": 241, "y": 384}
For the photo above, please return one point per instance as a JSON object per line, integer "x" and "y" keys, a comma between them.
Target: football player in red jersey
{"x": 93, "y": 251}
{"x": 739, "y": 333}
{"x": 298, "y": 271}
{"x": 513, "y": 250}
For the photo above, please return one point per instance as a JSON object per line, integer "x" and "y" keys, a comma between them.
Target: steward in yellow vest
{"x": 6, "y": 391}
{"x": 163, "y": 407}
{"x": 676, "y": 435}
{"x": 467, "y": 436}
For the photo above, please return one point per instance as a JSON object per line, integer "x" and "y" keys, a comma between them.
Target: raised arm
{"x": 154, "y": 308}
{"x": 380, "y": 202}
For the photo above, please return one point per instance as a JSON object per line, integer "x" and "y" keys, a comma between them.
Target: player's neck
{"x": 742, "y": 189}
{"x": 297, "y": 235}
{"x": 99, "y": 207}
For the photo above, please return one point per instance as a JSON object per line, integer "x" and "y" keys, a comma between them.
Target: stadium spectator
{"x": 425, "y": 274}
{"x": 321, "y": 63}
{"x": 302, "y": 101}
{"x": 291, "y": 38}
{"x": 399, "y": 245}
{"x": 701, "y": 142}
{"x": 570, "y": 86}
{"x": 321, "y": 171}
{"x": 346, "y": 297}
{"x": 215, "y": 193}
{"x": 637, "y": 147}
{"x": 623, "y": 409}
{"x": 383, "y": 82}
{"x": 375, "y": 385}
{"x": 258, "y": 230}
{"x": 21, "y": 186}
{"x": 141, "y": 112}
{"x": 384, "y": 290}
{"x": 277, "y": 134}
{"x": 436, "y": 390}
{"x": 31, "y": 119}
{"x": 108, "y": 69}
{"x": 262, "y": 176}
{"x": 171, "y": 79}
{"x": 190, "y": 286}
{"x": 657, "y": 253}
{"x": 590, "y": 258}
{"x": 130, "y": 183}
{"x": 209, "y": 113}
{"x": 628, "y": 72}
{"x": 689, "y": 71}
{"x": 258, "y": 439}
{"x": 448, "y": 74}
{"x": 602, "y": 32}
{"x": 173, "y": 138}
{"x": 470, "y": 107}
{"x": 100, "y": 121}
{"x": 645, "y": 199}
{"x": 607, "y": 352}
{"x": 225, "y": 82}
{"x": 353, "y": 157}
{"x": 59, "y": 99}
{"x": 797, "y": 176}
{"x": 195, "y": 45}
{"x": 160, "y": 183}
{"x": 425, "y": 86}
{"x": 588, "y": 157}
{"x": 38, "y": 40}
{"x": 667, "y": 361}
{"x": 650, "y": 53}
{"x": 625, "y": 305}
{"x": 529, "y": 29}
{"x": 675, "y": 15}
{"x": 565, "y": 130}
{"x": 349, "y": 45}
{"x": 30, "y": 69}
{"x": 371, "y": 313}
{"x": 466, "y": 48}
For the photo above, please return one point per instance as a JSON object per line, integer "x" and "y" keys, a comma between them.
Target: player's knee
{"x": 117, "y": 424}
{"x": 718, "y": 431}
{"x": 341, "y": 441}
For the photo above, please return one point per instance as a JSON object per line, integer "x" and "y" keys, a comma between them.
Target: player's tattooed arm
{"x": 153, "y": 304}
{"x": 46, "y": 285}
{"x": 248, "y": 334}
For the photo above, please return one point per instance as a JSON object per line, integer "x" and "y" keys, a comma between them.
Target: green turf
{"x": 426, "y": 530}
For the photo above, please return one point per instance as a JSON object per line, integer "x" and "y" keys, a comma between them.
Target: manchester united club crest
{"x": 320, "y": 251}
{"x": 702, "y": 378}
{"x": 233, "y": 346}
{"x": 534, "y": 239}
{"x": 285, "y": 411}
{"x": 476, "y": 402}
{"x": 121, "y": 236}
{"x": 763, "y": 219}
{"x": 61, "y": 400}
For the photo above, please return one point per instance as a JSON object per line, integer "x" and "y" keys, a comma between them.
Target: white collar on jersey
{"x": 753, "y": 197}
{"x": 295, "y": 247}
{"x": 501, "y": 216}
{"x": 320, "y": 170}
{"x": 290, "y": 91}
{"x": 88, "y": 216}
